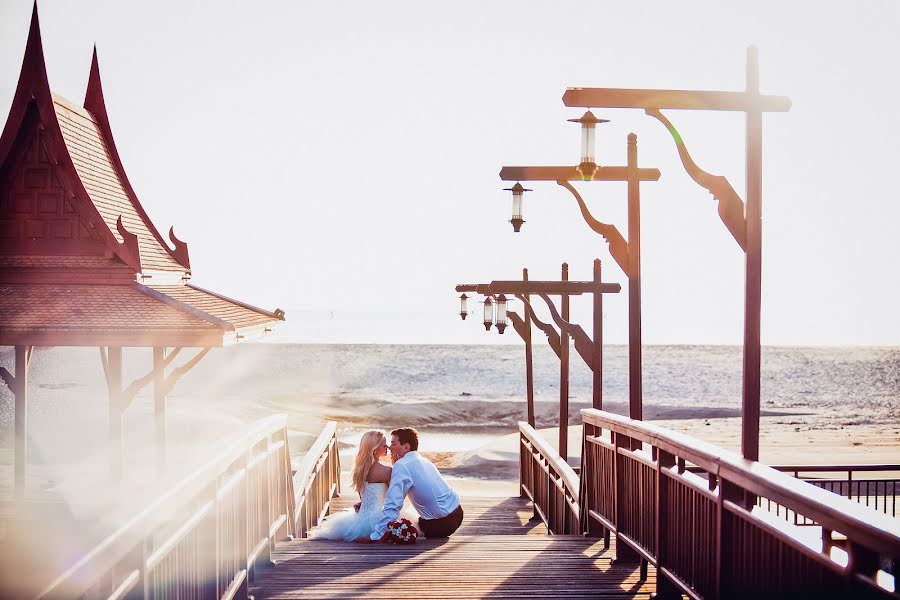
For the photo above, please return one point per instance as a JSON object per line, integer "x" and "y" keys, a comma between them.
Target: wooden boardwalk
{"x": 499, "y": 552}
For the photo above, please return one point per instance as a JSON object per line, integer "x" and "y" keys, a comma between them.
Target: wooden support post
{"x": 23, "y": 353}
{"x": 529, "y": 366}
{"x": 564, "y": 375}
{"x": 753, "y": 285}
{"x": 159, "y": 410}
{"x": 635, "y": 383}
{"x": 597, "y": 359}
{"x": 114, "y": 384}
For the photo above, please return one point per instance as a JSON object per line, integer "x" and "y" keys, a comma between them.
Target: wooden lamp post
{"x": 590, "y": 350}
{"x": 744, "y": 222}
{"x": 627, "y": 254}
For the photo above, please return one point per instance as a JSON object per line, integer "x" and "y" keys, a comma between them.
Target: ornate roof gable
{"x": 80, "y": 143}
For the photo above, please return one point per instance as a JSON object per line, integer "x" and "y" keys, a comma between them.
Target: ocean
{"x": 463, "y": 396}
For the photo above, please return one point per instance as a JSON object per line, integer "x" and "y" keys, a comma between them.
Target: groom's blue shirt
{"x": 431, "y": 496}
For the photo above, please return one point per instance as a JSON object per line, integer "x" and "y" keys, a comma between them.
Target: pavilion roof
{"x": 47, "y": 314}
{"x": 61, "y": 172}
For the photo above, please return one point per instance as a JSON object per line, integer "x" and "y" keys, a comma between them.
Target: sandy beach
{"x": 780, "y": 444}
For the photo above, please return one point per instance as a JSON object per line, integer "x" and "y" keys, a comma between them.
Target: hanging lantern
{"x": 588, "y": 159}
{"x": 488, "y": 314}
{"x": 463, "y": 307}
{"x": 501, "y": 313}
{"x": 518, "y": 202}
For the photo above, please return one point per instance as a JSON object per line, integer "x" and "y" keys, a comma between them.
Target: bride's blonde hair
{"x": 365, "y": 458}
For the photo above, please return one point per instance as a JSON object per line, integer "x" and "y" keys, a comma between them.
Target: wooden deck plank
{"x": 499, "y": 552}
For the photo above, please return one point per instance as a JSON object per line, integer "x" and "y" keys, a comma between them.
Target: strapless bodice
{"x": 373, "y": 498}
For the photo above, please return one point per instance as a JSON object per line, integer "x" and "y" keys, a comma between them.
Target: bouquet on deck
{"x": 401, "y": 531}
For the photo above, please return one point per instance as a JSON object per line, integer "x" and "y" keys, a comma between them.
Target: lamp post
{"x": 590, "y": 350}
{"x": 744, "y": 222}
{"x": 627, "y": 254}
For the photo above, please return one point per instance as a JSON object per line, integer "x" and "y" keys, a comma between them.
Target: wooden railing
{"x": 548, "y": 482}
{"x": 317, "y": 481}
{"x": 704, "y": 532}
{"x": 206, "y": 536}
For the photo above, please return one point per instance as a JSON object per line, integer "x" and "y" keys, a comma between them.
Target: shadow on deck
{"x": 499, "y": 552}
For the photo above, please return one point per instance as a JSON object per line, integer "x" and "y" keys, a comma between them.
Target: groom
{"x": 438, "y": 505}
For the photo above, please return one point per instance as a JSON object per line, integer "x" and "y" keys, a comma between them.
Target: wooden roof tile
{"x": 91, "y": 159}
{"x": 237, "y": 313}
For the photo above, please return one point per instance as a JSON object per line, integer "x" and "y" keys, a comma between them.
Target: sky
{"x": 340, "y": 160}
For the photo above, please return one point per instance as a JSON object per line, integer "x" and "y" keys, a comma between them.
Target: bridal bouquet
{"x": 402, "y": 531}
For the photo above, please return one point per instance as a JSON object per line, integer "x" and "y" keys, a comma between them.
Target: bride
{"x": 370, "y": 478}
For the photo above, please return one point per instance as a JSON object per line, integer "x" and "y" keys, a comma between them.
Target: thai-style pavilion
{"x": 81, "y": 263}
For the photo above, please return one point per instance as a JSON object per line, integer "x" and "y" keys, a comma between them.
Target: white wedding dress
{"x": 349, "y": 525}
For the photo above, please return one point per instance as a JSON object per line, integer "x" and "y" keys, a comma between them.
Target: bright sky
{"x": 340, "y": 159}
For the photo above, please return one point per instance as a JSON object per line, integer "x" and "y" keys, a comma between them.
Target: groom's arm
{"x": 400, "y": 484}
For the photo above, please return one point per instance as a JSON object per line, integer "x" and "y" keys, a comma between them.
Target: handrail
{"x": 863, "y": 484}
{"x": 237, "y": 505}
{"x": 317, "y": 481}
{"x": 706, "y": 536}
{"x": 834, "y": 468}
{"x": 759, "y": 479}
{"x": 548, "y": 481}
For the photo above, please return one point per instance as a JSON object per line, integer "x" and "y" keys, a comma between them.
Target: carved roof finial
{"x": 93, "y": 97}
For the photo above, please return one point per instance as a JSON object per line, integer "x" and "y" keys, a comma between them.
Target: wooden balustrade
{"x": 548, "y": 481}
{"x": 690, "y": 509}
{"x": 317, "y": 481}
{"x": 206, "y": 536}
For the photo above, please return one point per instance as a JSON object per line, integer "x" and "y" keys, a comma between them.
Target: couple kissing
{"x": 383, "y": 490}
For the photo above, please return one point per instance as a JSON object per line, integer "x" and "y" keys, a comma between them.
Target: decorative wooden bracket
{"x": 8, "y": 378}
{"x": 583, "y": 343}
{"x": 618, "y": 247}
{"x": 129, "y": 242}
{"x": 731, "y": 207}
{"x": 181, "y": 249}
{"x": 552, "y": 336}
{"x": 173, "y": 378}
{"x": 518, "y": 324}
{"x": 129, "y": 393}
{"x": 105, "y": 363}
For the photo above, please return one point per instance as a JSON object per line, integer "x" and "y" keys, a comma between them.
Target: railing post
{"x": 624, "y": 553}
{"x": 522, "y": 465}
{"x": 265, "y": 505}
{"x": 724, "y": 534}
{"x": 664, "y": 587}
{"x": 138, "y": 557}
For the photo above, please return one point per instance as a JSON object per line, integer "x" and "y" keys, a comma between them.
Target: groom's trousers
{"x": 443, "y": 527}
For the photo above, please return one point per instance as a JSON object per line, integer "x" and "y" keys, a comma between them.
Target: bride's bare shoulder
{"x": 379, "y": 473}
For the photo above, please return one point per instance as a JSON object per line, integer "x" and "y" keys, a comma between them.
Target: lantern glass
{"x": 587, "y": 142}
{"x": 463, "y": 306}
{"x": 501, "y": 310}
{"x": 488, "y": 313}
{"x": 517, "y": 200}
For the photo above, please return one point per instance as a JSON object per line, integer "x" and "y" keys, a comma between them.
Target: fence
{"x": 548, "y": 481}
{"x": 207, "y": 535}
{"x": 690, "y": 509}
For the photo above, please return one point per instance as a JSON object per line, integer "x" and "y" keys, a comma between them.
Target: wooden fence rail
{"x": 548, "y": 481}
{"x": 208, "y": 534}
{"x": 704, "y": 531}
